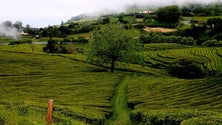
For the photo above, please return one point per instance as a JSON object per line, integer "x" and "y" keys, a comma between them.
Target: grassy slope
{"x": 165, "y": 96}
{"x": 79, "y": 90}
{"x": 158, "y": 93}
{"x": 83, "y": 93}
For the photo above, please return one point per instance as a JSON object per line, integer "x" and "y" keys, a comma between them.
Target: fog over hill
{"x": 124, "y": 5}
{"x": 42, "y": 13}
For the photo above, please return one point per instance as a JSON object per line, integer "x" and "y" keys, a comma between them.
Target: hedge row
{"x": 176, "y": 117}
{"x": 158, "y": 38}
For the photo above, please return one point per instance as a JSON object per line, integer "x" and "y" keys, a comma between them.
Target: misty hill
{"x": 81, "y": 17}
{"x": 93, "y": 15}
{"x": 213, "y": 8}
{"x": 108, "y": 12}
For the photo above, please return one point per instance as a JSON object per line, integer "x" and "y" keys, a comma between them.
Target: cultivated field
{"x": 81, "y": 91}
{"x": 88, "y": 94}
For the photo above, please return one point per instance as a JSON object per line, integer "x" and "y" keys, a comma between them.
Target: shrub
{"x": 3, "y": 120}
{"x": 172, "y": 117}
{"x": 207, "y": 120}
{"x": 218, "y": 73}
{"x": 212, "y": 43}
{"x": 52, "y": 46}
{"x": 188, "y": 69}
{"x": 20, "y": 42}
{"x": 160, "y": 38}
{"x": 80, "y": 40}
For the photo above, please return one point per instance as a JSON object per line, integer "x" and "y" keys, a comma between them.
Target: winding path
{"x": 121, "y": 113}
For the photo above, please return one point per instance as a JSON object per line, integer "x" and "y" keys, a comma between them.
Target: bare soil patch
{"x": 159, "y": 29}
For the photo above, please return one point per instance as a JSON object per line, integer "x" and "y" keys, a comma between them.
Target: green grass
{"x": 5, "y": 40}
{"x": 121, "y": 111}
{"x": 203, "y": 18}
{"x": 130, "y": 19}
{"x": 139, "y": 19}
{"x": 200, "y": 19}
{"x": 183, "y": 27}
{"x": 85, "y": 35}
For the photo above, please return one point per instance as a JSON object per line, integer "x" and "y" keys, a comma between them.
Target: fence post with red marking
{"x": 50, "y": 112}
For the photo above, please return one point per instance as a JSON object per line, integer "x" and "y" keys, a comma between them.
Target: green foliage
{"x": 169, "y": 14}
{"x": 184, "y": 68}
{"x": 153, "y": 95}
{"x": 197, "y": 32}
{"x": 167, "y": 100}
{"x": 153, "y": 23}
{"x": 209, "y": 58}
{"x": 80, "y": 40}
{"x": 203, "y": 29}
{"x": 212, "y": 43}
{"x": 12, "y": 114}
{"x": 3, "y": 120}
{"x": 211, "y": 9}
{"x": 113, "y": 43}
{"x": 121, "y": 20}
{"x": 129, "y": 18}
{"x": 216, "y": 26}
{"x": 106, "y": 20}
{"x": 61, "y": 77}
{"x": 20, "y": 42}
{"x": 164, "y": 46}
{"x": 18, "y": 25}
{"x": 173, "y": 117}
{"x": 63, "y": 31}
{"x": 207, "y": 120}
{"x": 218, "y": 73}
{"x": 52, "y": 46}
{"x": 159, "y": 38}
{"x": 126, "y": 18}
{"x": 65, "y": 47}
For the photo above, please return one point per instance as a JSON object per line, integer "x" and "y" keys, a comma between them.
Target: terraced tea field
{"x": 84, "y": 93}
{"x": 80, "y": 91}
{"x": 169, "y": 100}
{"x": 177, "y": 99}
{"x": 210, "y": 58}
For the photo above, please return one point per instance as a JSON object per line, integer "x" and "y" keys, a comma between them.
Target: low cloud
{"x": 8, "y": 31}
{"x": 42, "y": 13}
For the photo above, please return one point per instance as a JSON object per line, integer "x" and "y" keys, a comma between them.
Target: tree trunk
{"x": 112, "y": 65}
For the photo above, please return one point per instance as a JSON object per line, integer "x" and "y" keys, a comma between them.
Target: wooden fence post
{"x": 50, "y": 112}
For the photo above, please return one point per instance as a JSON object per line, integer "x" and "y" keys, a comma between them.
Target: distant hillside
{"x": 106, "y": 12}
{"x": 212, "y": 8}
{"x": 81, "y": 17}
{"x": 93, "y": 15}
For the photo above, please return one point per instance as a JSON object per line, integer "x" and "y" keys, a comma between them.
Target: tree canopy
{"x": 188, "y": 69}
{"x": 169, "y": 14}
{"x": 113, "y": 43}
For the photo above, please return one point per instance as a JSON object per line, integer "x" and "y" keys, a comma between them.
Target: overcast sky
{"x": 41, "y": 13}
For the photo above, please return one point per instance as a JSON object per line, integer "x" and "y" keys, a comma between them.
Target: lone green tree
{"x": 113, "y": 43}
